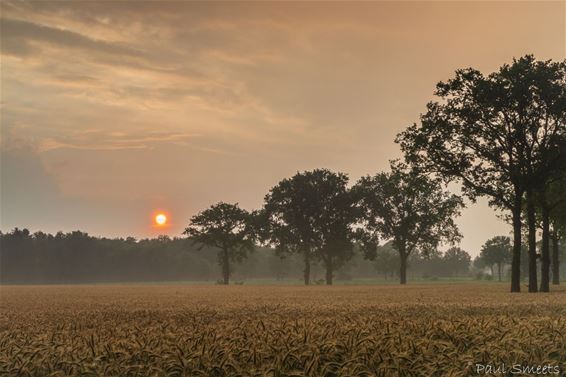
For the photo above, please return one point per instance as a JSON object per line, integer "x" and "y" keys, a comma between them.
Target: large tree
{"x": 311, "y": 214}
{"x": 496, "y": 251}
{"x": 408, "y": 208}
{"x": 492, "y": 134}
{"x": 226, "y": 227}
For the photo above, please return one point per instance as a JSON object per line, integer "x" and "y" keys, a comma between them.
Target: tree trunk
{"x": 491, "y": 268}
{"x": 516, "y": 262}
{"x": 403, "y": 269}
{"x": 225, "y": 267}
{"x": 499, "y": 270}
{"x": 329, "y": 271}
{"x": 531, "y": 222}
{"x": 545, "y": 251}
{"x": 307, "y": 271}
{"x": 555, "y": 259}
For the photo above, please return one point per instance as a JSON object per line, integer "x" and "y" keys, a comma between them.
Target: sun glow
{"x": 160, "y": 219}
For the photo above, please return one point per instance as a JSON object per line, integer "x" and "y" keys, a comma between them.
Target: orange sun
{"x": 160, "y": 219}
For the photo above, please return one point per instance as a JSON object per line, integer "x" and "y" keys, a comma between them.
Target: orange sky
{"x": 112, "y": 110}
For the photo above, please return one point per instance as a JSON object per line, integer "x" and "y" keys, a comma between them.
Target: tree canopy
{"x": 497, "y": 135}
{"x": 496, "y": 250}
{"x": 409, "y": 208}
{"x": 226, "y": 227}
{"x": 311, "y": 214}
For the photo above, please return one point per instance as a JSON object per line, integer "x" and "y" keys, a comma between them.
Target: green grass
{"x": 299, "y": 282}
{"x": 460, "y": 280}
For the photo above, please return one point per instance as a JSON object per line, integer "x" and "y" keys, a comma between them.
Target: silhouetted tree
{"x": 491, "y": 133}
{"x": 311, "y": 214}
{"x": 498, "y": 251}
{"x": 226, "y": 227}
{"x": 337, "y": 217}
{"x": 408, "y": 208}
{"x": 456, "y": 261}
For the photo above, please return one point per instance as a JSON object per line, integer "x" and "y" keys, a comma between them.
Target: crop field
{"x": 184, "y": 330}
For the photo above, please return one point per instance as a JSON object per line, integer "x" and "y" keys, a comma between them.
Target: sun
{"x": 160, "y": 219}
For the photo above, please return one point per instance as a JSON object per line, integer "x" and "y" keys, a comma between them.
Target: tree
{"x": 552, "y": 203}
{"x": 456, "y": 261}
{"x": 497, "y": 250}
{"x": 478, "y": 264}
{"x": 386, "y": 260}
{"x": 226, "y": 227}
{"x": 409, "y": 208}
{"x": 311, "y": 214}
{"x": 558, "y": 225}
{"x": 492, "y": 134}
{"x": 427, "y": 265}
{"x": 336, "y": 220}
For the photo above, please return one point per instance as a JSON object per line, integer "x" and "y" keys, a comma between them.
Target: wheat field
{"x": 184, "y": 330}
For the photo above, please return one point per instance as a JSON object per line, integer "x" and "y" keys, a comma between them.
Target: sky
{"x": 113, "y": 110}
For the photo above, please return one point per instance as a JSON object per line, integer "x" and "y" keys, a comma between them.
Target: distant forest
{"x": 76, "y": 257}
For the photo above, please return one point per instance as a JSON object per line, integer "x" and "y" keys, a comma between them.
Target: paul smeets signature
{"x": 517, "y": 369}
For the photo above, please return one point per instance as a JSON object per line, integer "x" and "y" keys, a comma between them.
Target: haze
{"x": 114, "y": 110}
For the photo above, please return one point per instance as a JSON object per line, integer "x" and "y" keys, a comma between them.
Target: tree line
{"x": 77, "y": 257}
{"x": 318, "y": 217}
{"x": 497, "y": 253}
{"x": 501, "y": 136}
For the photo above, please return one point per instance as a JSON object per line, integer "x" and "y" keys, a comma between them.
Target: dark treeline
{"x": 76, "y": 257}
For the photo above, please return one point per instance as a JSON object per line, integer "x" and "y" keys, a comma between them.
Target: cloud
{"x": 101, "y": 141}
{"x": 17, "y": 31}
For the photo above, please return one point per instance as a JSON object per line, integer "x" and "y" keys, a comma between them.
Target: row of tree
{"x": 76, "y": 257}
{"x": 497, "y": 254}
{"x": 501, "y": 136}
{"x": 316, "y": 215}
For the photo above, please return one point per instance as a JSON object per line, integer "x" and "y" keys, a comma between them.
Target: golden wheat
{"x": 179, "y": 330}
